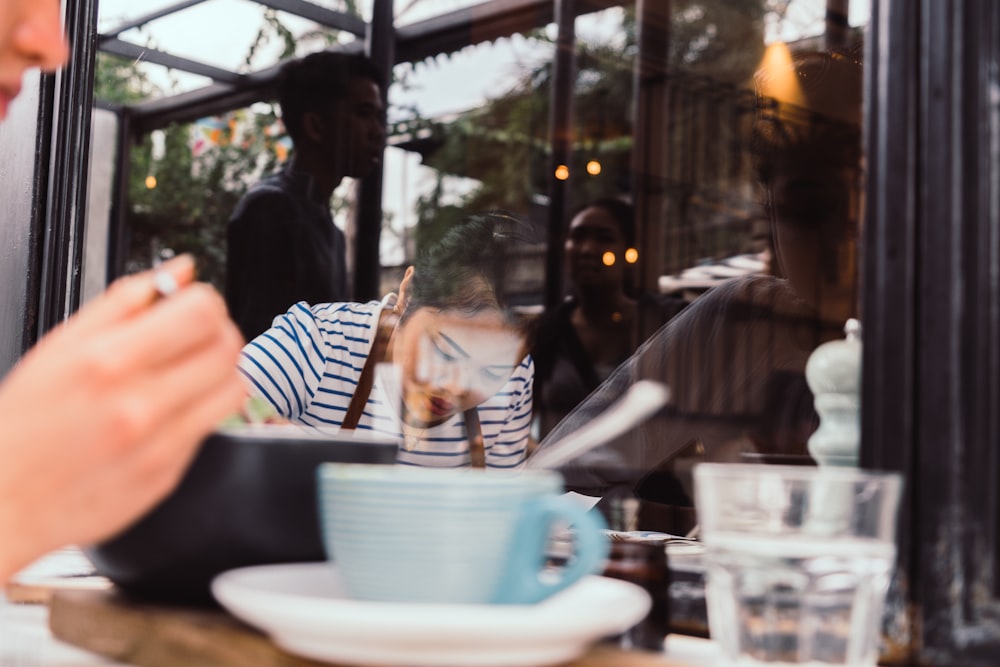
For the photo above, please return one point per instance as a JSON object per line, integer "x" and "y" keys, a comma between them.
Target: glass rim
{"x": 716, "y": 470}
{"x": 402, "y": 474}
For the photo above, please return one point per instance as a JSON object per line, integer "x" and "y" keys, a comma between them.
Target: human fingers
{"x": 149, "y": 393}
{"x": 144, "y": 473}
{"x": 177, "y": 328}
{"x": 107, "y": 391}
{"x": 172, "y": 329}
{"x": 137, "y": 442}
{"x": 156, "y": 467}
{"x": 132, "y": 294}
{"x": 189, "y": 423}
{"x": 152, "y": 470}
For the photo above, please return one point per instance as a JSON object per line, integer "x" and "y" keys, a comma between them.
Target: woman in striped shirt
{"x": 455, "y": 385}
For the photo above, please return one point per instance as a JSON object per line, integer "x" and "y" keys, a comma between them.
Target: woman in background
{"x": 580, "y": 342}
{"x": 456, "y": 384}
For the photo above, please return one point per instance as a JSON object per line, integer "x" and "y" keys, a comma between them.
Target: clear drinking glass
{"x": 798, "y": 561}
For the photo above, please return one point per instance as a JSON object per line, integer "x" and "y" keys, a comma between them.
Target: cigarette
{"x": 165, "y": 284}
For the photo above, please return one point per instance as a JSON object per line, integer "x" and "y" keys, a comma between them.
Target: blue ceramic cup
{"x": 428, "y": 535}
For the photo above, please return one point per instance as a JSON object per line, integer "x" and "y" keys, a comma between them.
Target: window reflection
{"x": 751, "y": 241}
{"x": 779, "y": 180}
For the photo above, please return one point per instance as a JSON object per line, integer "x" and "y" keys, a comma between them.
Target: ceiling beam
{"x": 111, "y": 43}
{"x": 418, "y": 41}
{"x": 143, "y": 20}
{"x": 485, "y": 22}
{"x": 211, "y": 100}
{"x": 327, "y": 18}
{"x": 117, "y": 47}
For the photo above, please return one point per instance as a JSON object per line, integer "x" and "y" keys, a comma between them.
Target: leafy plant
{"x": 504, "y": 145}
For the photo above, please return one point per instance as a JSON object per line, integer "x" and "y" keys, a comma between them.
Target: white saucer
{"x": 303, "y": 608}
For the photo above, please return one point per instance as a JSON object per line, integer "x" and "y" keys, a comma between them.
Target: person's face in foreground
{"x": 30, "y": 36}
{"x": 453, "y": 361}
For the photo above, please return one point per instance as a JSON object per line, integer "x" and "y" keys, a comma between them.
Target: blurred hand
{"x": 99, "y": 421}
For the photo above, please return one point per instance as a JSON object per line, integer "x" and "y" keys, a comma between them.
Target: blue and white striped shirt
{"x": 309, "y": 362}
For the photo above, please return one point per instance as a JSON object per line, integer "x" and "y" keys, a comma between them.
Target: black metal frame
{"x": 932, "y": 315}
{"x": 562, "y": 139}
{"x": 411, "y": 43}
{"x": 381, "y": 48}
{"x": 60, "y": 265}
{"x": 38, "y": 215}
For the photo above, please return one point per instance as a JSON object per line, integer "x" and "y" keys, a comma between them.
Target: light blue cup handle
{"x": 522, "y": 581}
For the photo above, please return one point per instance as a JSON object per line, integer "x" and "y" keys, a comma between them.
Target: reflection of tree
{"x": 720, "y": 39}
{"x": 505, "y": 143}
{"x": 197, "y": 186}
{"x": 180, "y": 198}
{"x": 188, "y": 209}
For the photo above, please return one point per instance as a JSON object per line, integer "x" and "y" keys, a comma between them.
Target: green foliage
{"x": 721, "y": 39}
{"x": 118, "y": 81}
{"x": 189, "y": 208}
{"x": 271, "y": 28}
{"x": 196, "y": 190}
{"x": 505, "y": 144}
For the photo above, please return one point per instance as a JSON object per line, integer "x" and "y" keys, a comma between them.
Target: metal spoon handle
{"x": 639, "y": 403}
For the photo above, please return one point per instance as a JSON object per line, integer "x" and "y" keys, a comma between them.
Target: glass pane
{"x": 236, "y": 36}
{"x": 707, "y": 219}
{"x": 744, "y": 170}
{"x": 412, "y": 11}
{"x": 426, "y": 172}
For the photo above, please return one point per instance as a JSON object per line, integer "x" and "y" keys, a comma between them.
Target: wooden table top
{"x": 56, "y": 613}
{"x": 145, "y": 635}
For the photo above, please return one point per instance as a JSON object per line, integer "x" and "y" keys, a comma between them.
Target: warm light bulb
{"x": 631, "y": 255}
{"x": 562, "y": 172}
{"x": 777, "y": 78}
{"x": 150, "y": 182}
{"x": 608, "y": 258}
{"x": 593, "y": 167}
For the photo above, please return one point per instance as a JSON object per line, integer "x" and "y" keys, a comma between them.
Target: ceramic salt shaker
{"x": 833, "y": 372}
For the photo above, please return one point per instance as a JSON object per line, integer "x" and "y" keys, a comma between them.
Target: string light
{"x": 150, "y": 182}
{"x": 631, "y": 255}
{"x": 608, "y": 258}
{"x": 562, "y": 172}
{"x": 593, "y": 167}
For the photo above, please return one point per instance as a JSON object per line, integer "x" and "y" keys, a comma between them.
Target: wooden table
{"x": 145, "y": 635}
{"x": 54, "y": 620}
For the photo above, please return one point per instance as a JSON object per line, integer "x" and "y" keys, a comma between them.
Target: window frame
{"x": 931, "y": 298}
{"x": 931, "y": 364}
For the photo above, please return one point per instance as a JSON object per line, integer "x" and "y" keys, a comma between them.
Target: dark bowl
{"x": 248, "y": 498}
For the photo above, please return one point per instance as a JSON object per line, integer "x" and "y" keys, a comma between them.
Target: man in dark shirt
{"x": 282, "y": 245}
